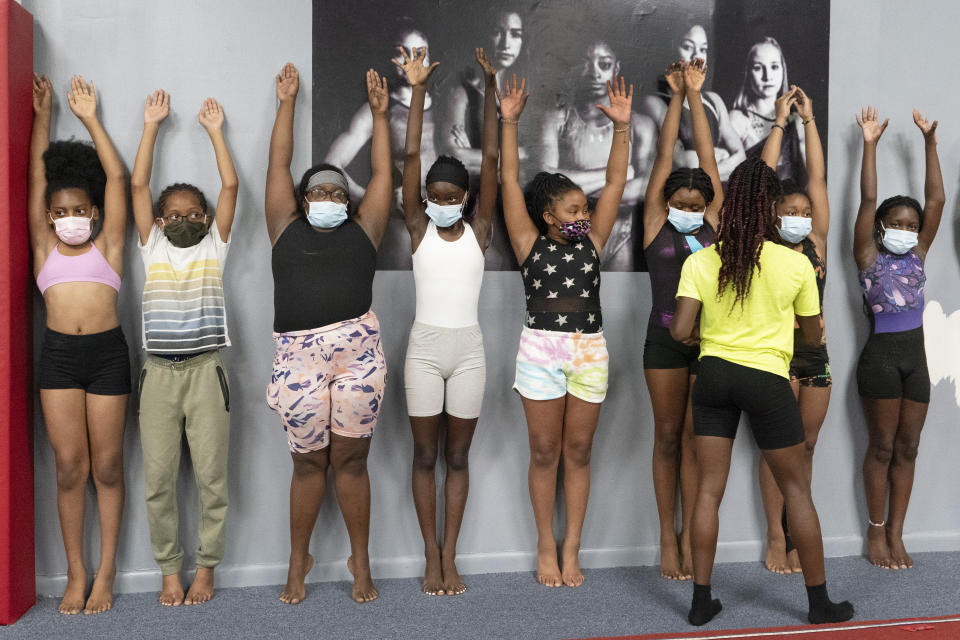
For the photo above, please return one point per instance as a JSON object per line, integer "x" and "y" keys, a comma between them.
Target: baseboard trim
{"x": 497, "y": 562}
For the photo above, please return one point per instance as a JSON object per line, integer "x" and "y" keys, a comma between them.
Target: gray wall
{"x": 884, "y": 53}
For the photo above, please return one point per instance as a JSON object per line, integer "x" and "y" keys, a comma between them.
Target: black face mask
{"x": 185, "y": 233}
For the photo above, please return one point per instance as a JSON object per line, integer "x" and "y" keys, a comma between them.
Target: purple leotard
{"x": 665, "y": 258}
{"x": 893, "y": 289}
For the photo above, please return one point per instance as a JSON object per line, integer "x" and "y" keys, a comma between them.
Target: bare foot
{"x": 686, "y": 557}
{"x": 73, "y": 600}
{"x": 363, "y": 589}
{"x": 548, "y": 569}
{"x": 202, "y": 588}
{"x": 572, "y": 576}
{"x": 878, "y": 553}
{"x": 452, "y": 582}
{"x": 793, "y": 561}
{"x": 101, "y": 595}
{"x": 433, "y": 574}
{"x": 296, "y": 589}
{"x": 899, "y": 558}
{"x": 670, "y": 559}
{"x": 776, "y": 559}
{"x": 171, "y": 591}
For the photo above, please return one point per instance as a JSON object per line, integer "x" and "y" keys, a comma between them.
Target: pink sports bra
{"x": 87, "y": 267}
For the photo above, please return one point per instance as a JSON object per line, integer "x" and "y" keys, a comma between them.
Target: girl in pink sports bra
{"x": 84, "y": 363}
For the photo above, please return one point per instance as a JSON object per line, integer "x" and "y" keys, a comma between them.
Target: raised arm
{"x": 490, "y": 152}
{"x": 933, "y": 195}
{"x": 41, "y": 233}
{"x": 619, "y": 112}
{"x": 771, "y": 148}
{"x": 155, "y": 111}
{"x": 211, "y": 118}
{"x": 693, "y": 77}
{"x": 374, "y": 209}
{"x": 418, "y": 75}
{"x": 816, "y": 173}
{"x": 523, "y": 233}
{"x": 655, "y": 207}
{"x": 82, "y": 99}
{"x": 281, "y": 204}
{"x": 864, "y": 242}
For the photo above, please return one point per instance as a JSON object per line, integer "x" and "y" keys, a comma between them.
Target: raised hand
{"x": 42, "y": 93}
{"x": 784, "y": 104}
{"x": 926, "y": 128}
{"x": 694, "y": 75}
{"x": 82, "y": 99}
{"x": 674, "y": 75}
{"x": 377, "y": 93}
{"x": 513, "y": 99}
{"x": 414, "y": 67}
{"x": 804, "y": 104}
{"x": 157, "y": 108}
{"x": 488, "y": 69}
{"x": 288, "y": 83}
{"x": 211, "y": 115}
{"x": 869, "y": 122}
{"x": 619, "y": 110}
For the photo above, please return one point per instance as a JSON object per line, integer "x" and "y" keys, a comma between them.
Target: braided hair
{"x": 175, "y": 188}
{"x": 746, "y": 222}
{"x": 542, "y": 191}
{"x": 69, "y": 164}
{"x": 897, "y": 201}
{"x": 694, "y": 179}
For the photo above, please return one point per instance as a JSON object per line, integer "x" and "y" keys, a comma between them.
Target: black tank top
{"x": 665, "y": 258}
{"x": 809, "y": 249}
{"x": 321, "y": 277}
{"x": 562, "y": 285}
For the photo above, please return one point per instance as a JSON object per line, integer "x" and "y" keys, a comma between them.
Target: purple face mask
{"x": 576, "y": 229}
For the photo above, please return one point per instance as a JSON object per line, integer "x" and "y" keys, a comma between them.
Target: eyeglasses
{"x": 320, "y": 194}
{"x": 176, "y": 218}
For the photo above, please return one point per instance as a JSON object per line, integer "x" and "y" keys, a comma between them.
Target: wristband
{"x": 812, "y": 118}
{"x": 626, "y": 128}
{"x": 505, "y": 121}
{"x": 778, "y": 126}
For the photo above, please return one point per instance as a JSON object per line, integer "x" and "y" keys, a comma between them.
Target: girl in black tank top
{"x": 329, "y": 373}
{"x": 562, "y": 363}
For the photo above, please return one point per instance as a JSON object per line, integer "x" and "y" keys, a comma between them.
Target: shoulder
{"x": 739, "y": 119}
{"x": 713, "y": 100}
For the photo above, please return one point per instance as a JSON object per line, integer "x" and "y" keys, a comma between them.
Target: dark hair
{"x": 448, "y": 166}
{"x": 693, "y": 179}
{"x": 746, "y": 222}
{"x": 897, "y": 201}
{"x": 176, "y": 187}
{"x": 301, "y": 192}
{"x": 541, "y": 192}
{"x": 69, "y": 164}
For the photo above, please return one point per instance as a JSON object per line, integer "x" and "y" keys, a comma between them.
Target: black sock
{"x": 704, "y": 608}
{"x": 822, "y": 610}
{"x": 786, "y": 530}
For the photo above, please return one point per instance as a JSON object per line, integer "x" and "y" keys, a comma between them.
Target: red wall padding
{"x": 17, "y": 579}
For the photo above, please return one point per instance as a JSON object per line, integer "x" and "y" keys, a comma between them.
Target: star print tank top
{"x": 562, "y": 285}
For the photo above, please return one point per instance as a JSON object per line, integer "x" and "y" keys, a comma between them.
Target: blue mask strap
{"x": 693, "y": 243}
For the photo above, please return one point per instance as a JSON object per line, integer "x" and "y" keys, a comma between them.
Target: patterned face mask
{"x": 576, "y": 229}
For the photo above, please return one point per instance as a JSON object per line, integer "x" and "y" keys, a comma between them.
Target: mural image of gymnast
{"x": 329, "y": 372}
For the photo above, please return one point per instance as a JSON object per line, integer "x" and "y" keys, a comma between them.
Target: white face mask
{"x": 445, "y": 215}
{"x": 793, "y": 229}
{"x": 72, "y": 229}
{"x": 898, "y": 241}
{"x": 685, "y": 221}
{"x": 326, "y": 214}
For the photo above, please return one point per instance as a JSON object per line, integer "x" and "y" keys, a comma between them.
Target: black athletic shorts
{"x": 894, "y": 365}
{"x": 723, "y": 390}
{"x": 661, "y": 351}
{"x": 98, "y": 363}
{"x": 811, "y": 366}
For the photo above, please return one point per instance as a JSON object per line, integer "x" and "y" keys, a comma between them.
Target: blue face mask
{"x": 445, "y": 215}
{"x": 685, "y": 221}
{"x": 898, "y": 241}
{"x": 326, "y": 214}
{"x": 793, "y": 229}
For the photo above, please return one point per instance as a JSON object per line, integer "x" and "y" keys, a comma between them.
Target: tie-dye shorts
{"x": 328, "y": 379}
{"x": 551, "y": 364}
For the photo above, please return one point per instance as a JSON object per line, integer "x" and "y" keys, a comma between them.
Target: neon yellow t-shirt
{"x": 760, "y": 335}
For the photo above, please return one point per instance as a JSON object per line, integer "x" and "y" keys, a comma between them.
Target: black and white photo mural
{"x": 567, "y": 50}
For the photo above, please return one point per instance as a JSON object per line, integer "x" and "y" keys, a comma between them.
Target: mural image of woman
{"x": 754, "y": 111}
{"x": 576, "y": 138}
{"x": 728, "y": 148}
{"x": 395, "y": 250}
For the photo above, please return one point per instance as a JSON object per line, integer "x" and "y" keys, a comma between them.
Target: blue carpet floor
{"x": 612, "y": 602}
